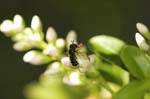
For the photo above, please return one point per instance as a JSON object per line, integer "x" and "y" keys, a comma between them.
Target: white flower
{"x": 7, "y": 27}
{"x": 18, "y": 23}
{"x": 66, "y": 62}
{"x": 28, "y": 31}
{"x": 21, "y": 46}
{"x": 142, "y": 28}
{"x": 35, "y": 58}
{"x": 34, "y": 39}
{"x": 36, "y": 24}
{"x": 51, "y": 50}
{"x": 72, "y": 36}
{"x": 141, "y": 42}
{"x": 139, "y": 38}
{"x": 51, "y": 35}
{"x": 60, "y": 43}
{"x": 72, "y": 79}
{"x": 53, "y": 69}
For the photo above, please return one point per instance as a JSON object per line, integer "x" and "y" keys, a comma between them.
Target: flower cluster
{"x": 48, "y": 49}
{"x": 114, "y": 71}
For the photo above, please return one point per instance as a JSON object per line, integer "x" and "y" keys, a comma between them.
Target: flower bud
{"x": 28, "y": 31}
{"x": 66, "y": 62}
{"x": 36, "y": 58}
{"x": 18, "y": 23}
{"x": 51, "y": 50}
{"x": 73, "y": 79}
{"x": 60, "y": 44}
{"x": 141, "y": 42}
{"x": 34, "y": 39}
{"x": 53, "y": 69}
{"x": 21, "y": 46}
{"x": 143, "y": 30}
{"x": 36, "y": 24}
{"x": 7, "y": 27}
{"x": 71, "y": 36}
{"x": 18, "y": 37}
{"x": 51, "y": 35}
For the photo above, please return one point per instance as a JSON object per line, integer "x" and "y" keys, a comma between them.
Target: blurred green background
{"x": 87, "y": 17}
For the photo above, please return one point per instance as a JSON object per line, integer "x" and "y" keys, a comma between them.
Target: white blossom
{"x": 7, "y": 27}
{"x": 51, "y": 35}
{"x": 72, "y": 79}
{"x": 35, "y": 58}
{"x": 141, "y": 42}
{"x": 18, "y": 23}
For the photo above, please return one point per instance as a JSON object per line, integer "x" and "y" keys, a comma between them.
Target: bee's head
{"x": 73, "y": 45}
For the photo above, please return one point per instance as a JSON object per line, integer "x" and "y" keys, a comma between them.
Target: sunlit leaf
{"x": 106, "y": 44}
{"x": 115, "y": 74}
{"x": 136, "y": 62}
{"x": 134, "y": 90}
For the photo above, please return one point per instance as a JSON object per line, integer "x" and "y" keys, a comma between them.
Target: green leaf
{"x": 147, "y": 95}
{"x": 136, "y": 62}
{"x": 106, "y": 44}
{"x": 115, "y": 74}
{"x": 134, "y": 90}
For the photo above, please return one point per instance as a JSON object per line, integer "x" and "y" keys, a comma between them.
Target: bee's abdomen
{"x": 73, "y": 60}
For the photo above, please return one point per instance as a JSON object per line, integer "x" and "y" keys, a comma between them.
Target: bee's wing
{"x": 85, "y": 62}
{"x": 81, "y": 48}
{"x": 83, "y": 59}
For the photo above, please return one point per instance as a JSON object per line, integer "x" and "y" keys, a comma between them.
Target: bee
{"x": 72, "y": 53}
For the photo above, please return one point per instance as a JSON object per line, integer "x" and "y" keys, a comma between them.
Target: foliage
{"x": 114, "y": 70}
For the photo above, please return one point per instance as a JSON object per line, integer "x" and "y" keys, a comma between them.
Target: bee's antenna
{"x": 72, "y": 41}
